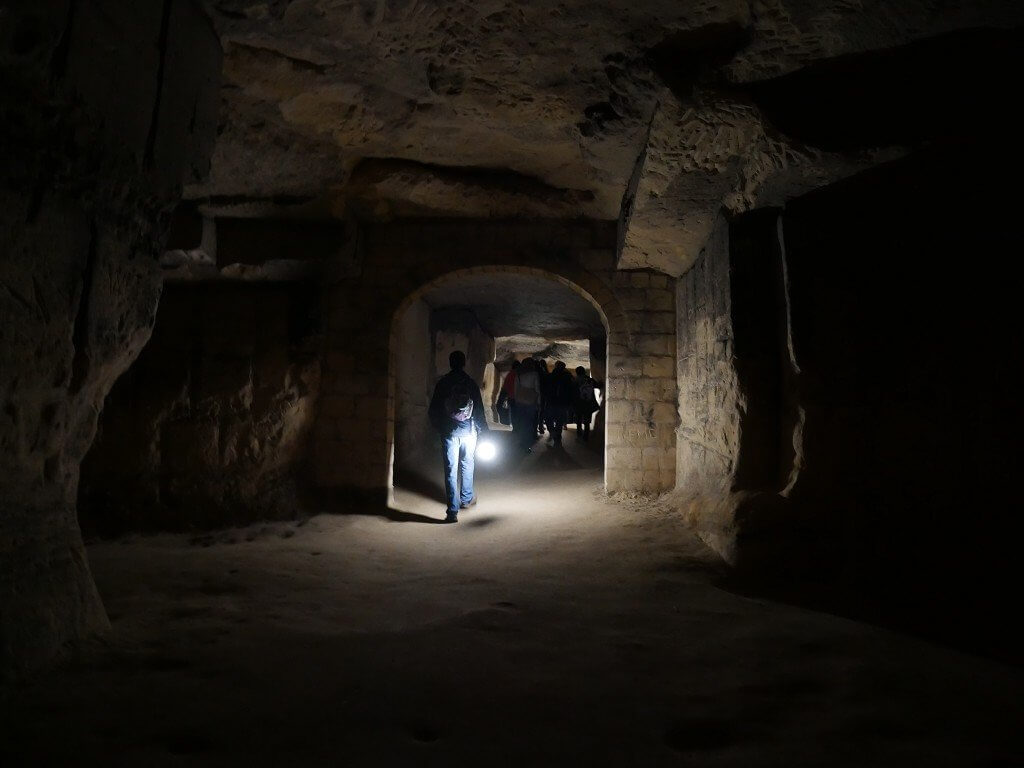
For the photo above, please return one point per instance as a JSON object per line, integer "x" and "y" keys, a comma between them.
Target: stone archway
{"x": 355, "y": 431}
{"x": 516, "y": 278}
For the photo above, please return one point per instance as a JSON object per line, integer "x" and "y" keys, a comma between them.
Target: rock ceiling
{"x": 509, "y": 304}
{"x": 658, "y": 112}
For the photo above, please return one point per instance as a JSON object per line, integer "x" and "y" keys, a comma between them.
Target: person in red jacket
{"x": 507, "y": 396}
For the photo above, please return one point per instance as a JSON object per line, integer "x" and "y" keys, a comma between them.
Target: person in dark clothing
{"x": 457, "y": 413}
{"x": 542, "y": 375}
{"x": 507, "y": 399}
{"x": 524, "y": 415}
{"x": 558, "y": 399}
{"x": 584, "y": 402}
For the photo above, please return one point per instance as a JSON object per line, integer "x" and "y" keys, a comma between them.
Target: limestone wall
{"x": 209, "y": 426}
{"x": 848, "y": 390}
{"x": 709, "y": 396}
{"x": 108, "y": 106}
{"x": 403, "y": 257}
{"x": 738, "y": 414}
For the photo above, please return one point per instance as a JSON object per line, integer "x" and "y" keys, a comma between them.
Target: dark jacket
{"x": 443, "y": 423}
{"x": 560, "y": 388}
{"x": 579, "y": 402}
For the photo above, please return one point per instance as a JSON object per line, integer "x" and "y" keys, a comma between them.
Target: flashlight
{"x": 487, "y": 450}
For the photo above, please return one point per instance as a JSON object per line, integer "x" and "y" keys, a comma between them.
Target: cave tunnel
{"x": 241, "y": 239}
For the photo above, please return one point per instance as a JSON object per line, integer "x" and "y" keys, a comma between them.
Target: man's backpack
{"x": 586, "y": 391}
{"x": 459, "y": 403}
{"x": 561, "y": 388}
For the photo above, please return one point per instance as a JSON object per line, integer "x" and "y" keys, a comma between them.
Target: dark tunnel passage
{"x": 496, "y": 318}
{"x": 240, "y": 242}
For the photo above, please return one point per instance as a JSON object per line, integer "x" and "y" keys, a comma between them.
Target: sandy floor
{"x": 549, "y": 626}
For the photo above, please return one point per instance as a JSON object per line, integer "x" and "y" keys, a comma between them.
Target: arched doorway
{"x": 354, "y": 431}
{"x": 494, "y": 315}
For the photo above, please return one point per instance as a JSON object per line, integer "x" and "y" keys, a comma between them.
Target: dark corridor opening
{"x": 495, "y": 318}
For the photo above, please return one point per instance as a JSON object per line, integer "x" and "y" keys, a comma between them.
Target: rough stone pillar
{"x": 739, "y": 427}
{"x": 108, "y": 106}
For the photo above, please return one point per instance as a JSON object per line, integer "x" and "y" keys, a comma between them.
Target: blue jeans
{"x": 459, "y": 453}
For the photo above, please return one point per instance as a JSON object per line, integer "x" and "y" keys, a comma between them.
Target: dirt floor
{"x": 550, "y": 626}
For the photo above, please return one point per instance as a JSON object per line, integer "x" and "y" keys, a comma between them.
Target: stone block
{"x": 627, "y": 366}
{"x": 661, "y": 281}
{"x": 660, "y": 300}
{"x": 619, "y": 412}
{"x": 622, "y": 279}
{"x": 618, "y": 349}
{"x": 616, "y": 479}
{"x": 633, "y": 299}
{"x": 659, "y": 367}
{"x": 650, "y": 481}
{"x": 665, "y": 413}
{"x": 651, "y": 458}
{"x": 624, "y": 457}
{"x": 657, "y": 322}
{"x": 640, "y": 279}
{"x": 645, "y": 390}
{"x": 656, "y": 344}
{"x": 666, "y": 389}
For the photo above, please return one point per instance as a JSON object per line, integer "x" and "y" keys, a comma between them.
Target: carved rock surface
{"x": 107, "y": 108}
{"x": 655, "y": 112}
{"x": 208, "y": 429}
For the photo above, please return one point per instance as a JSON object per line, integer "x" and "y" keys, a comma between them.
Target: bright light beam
{"x": 486, "y": 450}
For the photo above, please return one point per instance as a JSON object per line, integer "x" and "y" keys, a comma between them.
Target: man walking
{"x": 457, "y": 413}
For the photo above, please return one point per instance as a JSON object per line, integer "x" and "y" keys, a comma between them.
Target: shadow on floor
{"x": 399, "y": 516}
{"x": 482, "y": 522}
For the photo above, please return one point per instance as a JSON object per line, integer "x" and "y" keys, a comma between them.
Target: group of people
{"x": 537, "y": 399}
